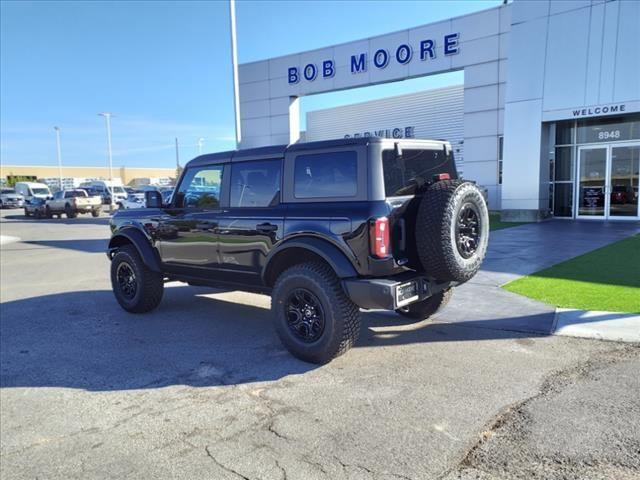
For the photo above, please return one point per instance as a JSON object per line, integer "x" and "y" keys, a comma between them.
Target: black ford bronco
{"x": 326, "y": 228}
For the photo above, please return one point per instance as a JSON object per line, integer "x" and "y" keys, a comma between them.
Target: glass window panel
{"x": 322, "y": 175}
{"x": 255, "y": 184}
{"x": 563, "y": 200}
{"x": 404, "y": 175}
{"x": 592, "y": 176}
{"x": 613, "y": 129}
{"x": 200, "y": 187}
{"x": 625, "y": 166}
{"x": 563, "y": 164}
{"x": 564, "y": 132}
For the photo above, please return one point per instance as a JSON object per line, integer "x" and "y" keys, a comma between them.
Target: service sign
{"x": 404, "y": 132}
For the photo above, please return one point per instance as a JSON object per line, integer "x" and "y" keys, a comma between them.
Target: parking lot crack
{"x": 284, "y": 472}
{"x": 552, "y": 384}
{"x": 222, "y": 466}
{"x": 317, "y": 465}
{"x": 271, "y": 427}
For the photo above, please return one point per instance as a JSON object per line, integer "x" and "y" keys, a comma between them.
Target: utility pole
{"x": 234, "y": 67}
{"x": 177, "y": 154}
{"x": 200, "y": 142}
{"x": 57, "y": 129}
{"x": 107, "y": 116}
{"x": 178, "y": 167}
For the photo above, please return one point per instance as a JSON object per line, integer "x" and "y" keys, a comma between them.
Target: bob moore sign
{"x": 402, "y": 54}
{"x": 406, "y": 132}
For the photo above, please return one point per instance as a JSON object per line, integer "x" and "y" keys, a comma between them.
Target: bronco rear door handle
{"x": 266, "y": 227}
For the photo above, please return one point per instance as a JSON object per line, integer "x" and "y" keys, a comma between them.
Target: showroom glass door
{"x": 624, "y": 171}
{"x": 592, "y": 202}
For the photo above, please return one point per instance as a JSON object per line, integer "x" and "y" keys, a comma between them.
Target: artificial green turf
{"x": 605, "y": 279}
{"x": 496, "y": 224}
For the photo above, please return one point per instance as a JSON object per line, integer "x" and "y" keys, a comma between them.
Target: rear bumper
{"x": 13, "y": 203}
{"x": 87, "y": 208}
{"x": 391, "y": 293}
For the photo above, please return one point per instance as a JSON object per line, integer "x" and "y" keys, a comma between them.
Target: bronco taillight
{"x": 379, "y": 235}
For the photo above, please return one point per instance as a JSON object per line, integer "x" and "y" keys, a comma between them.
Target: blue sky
{"x": 163, "y": 69}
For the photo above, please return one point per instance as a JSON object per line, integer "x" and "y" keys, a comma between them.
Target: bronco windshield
{"x": 405, "y": 174}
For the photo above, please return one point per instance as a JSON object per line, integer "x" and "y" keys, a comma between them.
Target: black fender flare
{"x": 132, "y": 235}
{"x": 337, "y": 259}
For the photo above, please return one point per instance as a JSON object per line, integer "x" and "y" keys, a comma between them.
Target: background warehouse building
{"x": 551, "y": 87}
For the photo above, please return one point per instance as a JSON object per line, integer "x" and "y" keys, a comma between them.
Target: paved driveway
{"x": 519, "y": 251}
{"x": 201, "y": 388}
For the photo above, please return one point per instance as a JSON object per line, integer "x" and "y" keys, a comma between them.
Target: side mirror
{"x": 153, "y": 199}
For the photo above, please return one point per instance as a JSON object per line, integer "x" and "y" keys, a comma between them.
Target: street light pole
{"x": 234, "y": 68}
{"x": 107, "y": 117}
{"x": 177, "y": 154}
{"x": 57, "y": 129}
{"x": 200, "y": 142}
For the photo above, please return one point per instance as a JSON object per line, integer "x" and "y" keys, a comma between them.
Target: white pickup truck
{"x": 71, "y": 203}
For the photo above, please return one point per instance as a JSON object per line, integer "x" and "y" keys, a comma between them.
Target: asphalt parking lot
{"x": 201, "y": 388}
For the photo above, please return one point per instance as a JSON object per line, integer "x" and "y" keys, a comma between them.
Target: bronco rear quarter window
{"x": 323, "y": 175}
{"x": 404, "y": 175}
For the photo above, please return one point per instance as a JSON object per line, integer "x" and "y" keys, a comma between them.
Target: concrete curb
{"x": 613, "y": 326}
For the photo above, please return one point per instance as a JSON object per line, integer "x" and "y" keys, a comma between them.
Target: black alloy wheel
{"x": 127, "y": 280}
{"x": 467, "y": 230}
{"x": 305, "y": 316}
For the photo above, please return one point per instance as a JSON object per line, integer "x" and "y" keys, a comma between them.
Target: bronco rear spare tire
{"x": 452, "y": 230}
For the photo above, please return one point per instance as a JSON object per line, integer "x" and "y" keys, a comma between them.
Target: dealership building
{"x": 547, "y": 118}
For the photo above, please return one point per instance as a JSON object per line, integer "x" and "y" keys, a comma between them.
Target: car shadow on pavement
{"x": 98, "y": 245}
{"x": 84, "y": 340}
{"x": 80, "y": 220}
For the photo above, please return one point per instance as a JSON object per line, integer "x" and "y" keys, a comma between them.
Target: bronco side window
{"x": 321, "y": 175}
{"x": 200, "y": 188}
{"x": 255, "y": 184}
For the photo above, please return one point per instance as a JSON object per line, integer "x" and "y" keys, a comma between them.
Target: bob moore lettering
{"x": 607, "y": 109}
{"x": 406, "y": 132}
{"x": 359, "y": 63}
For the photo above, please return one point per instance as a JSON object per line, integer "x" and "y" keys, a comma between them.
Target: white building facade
{"x": 550, "y": 101}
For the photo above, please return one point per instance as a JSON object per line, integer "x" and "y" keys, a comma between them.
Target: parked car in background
{"x": 134, "y": 200}
{"x": 9, "y": 198}
{"x": 622, "y": 194}
{"x": 36, "y": 207}
{"x": 30, "y": 190}
{"x": 71, "y": 203}
{"x": 111, "y": 192}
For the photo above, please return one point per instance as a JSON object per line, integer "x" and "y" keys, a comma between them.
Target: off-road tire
{"x": 150, "y": 284}
{"x": 69, "y": 211}
{"x": 342, "y": 316}
{"x": 426, "y": 308}
{"x": 436, "y": 230}
{"x": 95, "y": 212}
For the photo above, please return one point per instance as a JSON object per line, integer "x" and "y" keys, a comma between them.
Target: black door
{"x": 254, "y": 221}
{"x": 187, "y": 231}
